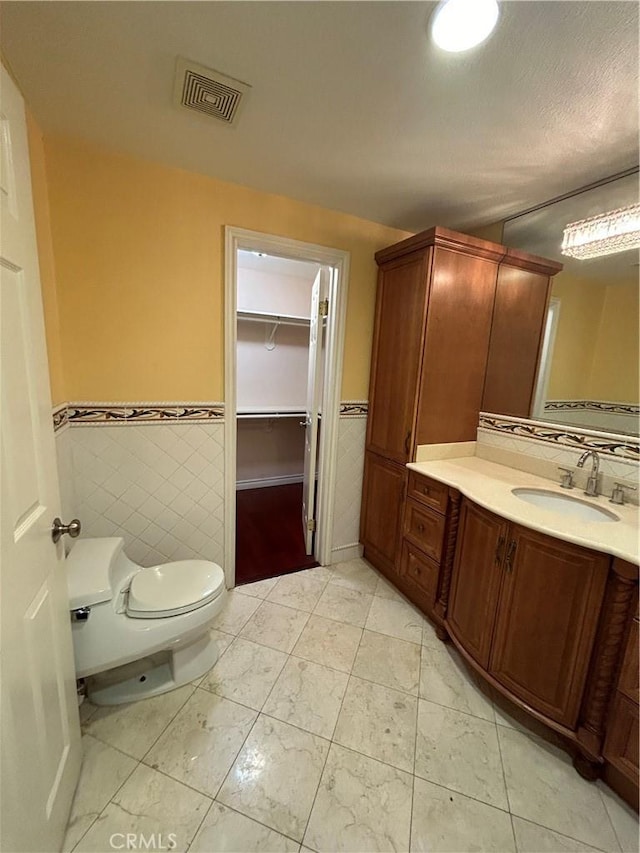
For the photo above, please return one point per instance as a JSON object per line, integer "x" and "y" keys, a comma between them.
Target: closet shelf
{"x": 284, "y": 319}
{"x": 271, "y": 413}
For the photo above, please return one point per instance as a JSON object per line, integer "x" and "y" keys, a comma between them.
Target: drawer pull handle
{"x": 510, "y": 555}
{"x": 426, "y": 490}
{"x": 421, "y": 527}
{"x": 499, "y": 551}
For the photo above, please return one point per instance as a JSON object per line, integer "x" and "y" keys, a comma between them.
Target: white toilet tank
{"x": 94, "y": 569}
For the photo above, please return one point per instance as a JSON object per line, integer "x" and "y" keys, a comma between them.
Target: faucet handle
{"x": 566, "y": 479}
{"x": 617, "y": 495}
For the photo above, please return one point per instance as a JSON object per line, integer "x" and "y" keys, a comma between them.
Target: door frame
{"x": 338, "y": 259}
{"x": 546, "y": 357}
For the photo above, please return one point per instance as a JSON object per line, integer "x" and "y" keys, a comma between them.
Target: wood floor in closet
{"x": 269, "y": 538}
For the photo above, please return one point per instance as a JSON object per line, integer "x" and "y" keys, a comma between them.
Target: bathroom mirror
{"x": 588, "y": 374}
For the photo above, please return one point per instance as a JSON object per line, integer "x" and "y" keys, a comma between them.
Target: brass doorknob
{"x": 58, "y": 529}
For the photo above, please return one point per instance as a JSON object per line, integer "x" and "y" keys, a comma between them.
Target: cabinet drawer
{"x": 621, "y": 745}
{"x": 428, "y": 491}
{"x": 420, "y": 571}
{"x": 628, "y": 683}
{"x": 425, "y": 529}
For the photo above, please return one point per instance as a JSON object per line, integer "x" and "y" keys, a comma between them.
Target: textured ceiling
{"x": 351, "y": 107}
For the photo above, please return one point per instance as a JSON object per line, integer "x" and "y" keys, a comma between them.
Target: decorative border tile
{"x": 78, "y": 413}
{"x": 594, "y": 405}
{"x": 354, "y": 409}
{"x": 579, "y": 439}
{"x": 60, "y": 416}
{"x": 127, "y": 414}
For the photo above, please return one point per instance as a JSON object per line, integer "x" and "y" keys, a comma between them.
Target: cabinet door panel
{"x": 456, "y": 347}
{"x": 382, "y": 501}
{"x": 400, "y": 308}
{"x": 621, "y": 746}
{"x": 476, "y": 580}
{"x": 547, "y": 621}
{"x": 516, "y": 335}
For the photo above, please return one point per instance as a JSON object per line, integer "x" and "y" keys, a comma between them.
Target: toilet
{"x": 140, "y": 631}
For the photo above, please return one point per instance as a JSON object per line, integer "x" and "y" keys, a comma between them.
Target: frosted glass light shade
{"x": 605, "y": 234}
{"x": 459, "y": 25}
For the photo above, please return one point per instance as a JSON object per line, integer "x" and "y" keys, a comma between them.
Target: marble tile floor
{"x": 334, "y": 720}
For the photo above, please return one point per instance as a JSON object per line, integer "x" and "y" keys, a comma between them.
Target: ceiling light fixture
{"x": 459, "y": 25}
{"x": 605, "y": 234}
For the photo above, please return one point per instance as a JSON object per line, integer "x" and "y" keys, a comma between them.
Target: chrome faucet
{"x": 592, "y": 481}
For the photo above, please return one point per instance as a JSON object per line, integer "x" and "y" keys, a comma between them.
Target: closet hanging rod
{"x": 285, "y": 319}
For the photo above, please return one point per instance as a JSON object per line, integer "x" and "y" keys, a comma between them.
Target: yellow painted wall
{"x": 614, "y": 374}
{"x": 596, "y": 349}
{"x": 581, "y": 304}
{"x": 46, "y": 260}
{"x": 140, "y": 273}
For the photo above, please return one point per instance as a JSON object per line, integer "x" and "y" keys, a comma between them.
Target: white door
{"x": 314, "y": 390}
{"x": 39, "y": 729}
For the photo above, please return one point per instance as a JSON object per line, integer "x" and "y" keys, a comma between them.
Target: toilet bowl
{"x": 140, "y": 631}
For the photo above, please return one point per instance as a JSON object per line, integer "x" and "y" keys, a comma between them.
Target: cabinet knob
{"x": 420, "y": 527}
{"x": 425, "y": 490}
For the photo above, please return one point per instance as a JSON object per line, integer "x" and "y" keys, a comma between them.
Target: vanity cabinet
{"x": 477, "y": 575}
{"x": 383, "y": 495}
{"x": 525, "y": 607}
{"x": 429, "y": 531}
{"x": 452, "y": 312}
{"x": 621, "y": 746}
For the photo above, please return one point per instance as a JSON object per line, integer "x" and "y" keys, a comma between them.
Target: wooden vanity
{"x": 550, "y": 624}
{"x": 548, "y": 621}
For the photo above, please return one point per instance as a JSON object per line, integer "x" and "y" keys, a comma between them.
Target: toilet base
{"x": 155, "y": 674}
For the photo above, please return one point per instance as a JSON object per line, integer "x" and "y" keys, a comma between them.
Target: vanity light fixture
{"x": 604, "y": 234}
{"x": 459, "y": 25}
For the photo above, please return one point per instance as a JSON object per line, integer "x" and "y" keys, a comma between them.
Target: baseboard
{"x": 346, "y": 552}
{"x": 265, "y": 482}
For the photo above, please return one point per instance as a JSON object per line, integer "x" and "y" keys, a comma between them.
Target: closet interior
{"x": 274, "y": 297}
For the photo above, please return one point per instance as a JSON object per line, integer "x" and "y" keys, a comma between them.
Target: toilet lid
{"x": 174, "y": 588}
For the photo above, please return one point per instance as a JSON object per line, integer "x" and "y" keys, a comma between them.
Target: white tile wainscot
{"x": 350, "y": 465}
{"x": 542, "y": 457}
{"x": 159, "y": 486}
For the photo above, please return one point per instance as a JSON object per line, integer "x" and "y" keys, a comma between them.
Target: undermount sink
{"x": 564, "y": 504}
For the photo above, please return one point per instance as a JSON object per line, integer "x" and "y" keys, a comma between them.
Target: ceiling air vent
{"x": 208, "y": 91}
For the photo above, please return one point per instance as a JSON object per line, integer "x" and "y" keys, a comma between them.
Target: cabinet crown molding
{"x": 455, "y": 241}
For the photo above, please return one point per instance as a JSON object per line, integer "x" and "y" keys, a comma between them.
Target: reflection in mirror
{"x": 588, "y": 374}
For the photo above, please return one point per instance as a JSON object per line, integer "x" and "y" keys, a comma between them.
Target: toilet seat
{"x": 174, "y": 588}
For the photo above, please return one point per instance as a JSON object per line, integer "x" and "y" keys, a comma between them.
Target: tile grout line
{"x": 504, "y": 779}
{"x": 99, "y": 815}
{"x": 415, "y": 745}
{"x": 615, "y": 833}
{"x": 332, "y": 741}
{"x": 242, "y": 814}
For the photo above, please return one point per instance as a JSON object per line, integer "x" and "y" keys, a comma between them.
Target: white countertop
{"x": 490, "y": 485}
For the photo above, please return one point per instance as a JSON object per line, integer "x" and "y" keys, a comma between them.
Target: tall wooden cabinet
{"x": 448, "y": 334}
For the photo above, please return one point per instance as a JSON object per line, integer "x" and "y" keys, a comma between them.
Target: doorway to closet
{"x": 281, "y": 319}
{"x": 285, "y": 313}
